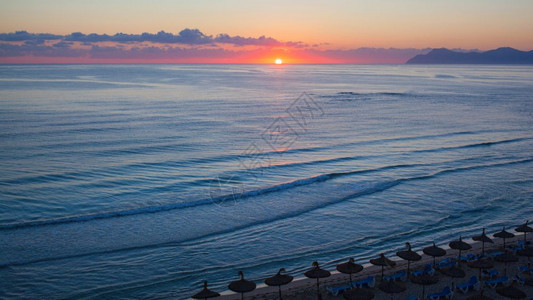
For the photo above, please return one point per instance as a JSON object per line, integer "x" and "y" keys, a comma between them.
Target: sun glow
{"x": 278, "y": 61}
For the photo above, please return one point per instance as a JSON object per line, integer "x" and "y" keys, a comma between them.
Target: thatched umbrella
{"x": 205, "y": 293}
{"x": 525, "y": 229}
{"x": 511, "y": 292}
{"x": 382, "y": 261}
{"x": 392, "y": 287}
{"x": 483, "y": 238}
{"x": 279, "y": 280}
{"x": 317, "y": 272}
{"x": 409, "y": 255}
{"x": 359, "y": 294}
{"x": 434, "y": 251}
{"x": 242, "y": 286}
{"x": 479, "y": 296}
{"x": 527, "y": 252}
{"x": 481, "y": 264}
{"x": 503, "y": 235}
{"x": 424, "y": 279}
{"x": 459, "y": 245}
{"x": 349, "y": 268}
{"x": 454, "y": 272}
{"x": 506, "y": 258}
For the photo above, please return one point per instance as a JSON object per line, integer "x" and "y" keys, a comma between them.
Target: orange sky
{"x": 336, "y": 25}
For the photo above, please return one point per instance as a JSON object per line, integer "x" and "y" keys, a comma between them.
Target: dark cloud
{"x": 39, "y": 50}
{"x": 26, "y": 36}
{"x": 186, "y": 36}
{"x": 188, "y": 43}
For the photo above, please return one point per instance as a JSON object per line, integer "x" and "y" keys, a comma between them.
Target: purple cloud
{"x": 186, "y": 36}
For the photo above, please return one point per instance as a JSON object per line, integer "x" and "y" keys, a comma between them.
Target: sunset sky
{"x": 256, "y": 31}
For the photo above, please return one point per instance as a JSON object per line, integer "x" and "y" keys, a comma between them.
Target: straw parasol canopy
{"x": 524, "y": 228}
{"x": 383, "y": 262}
{"x": 434, "y": 251}
{"x": 279, "y": 280}
{"x": 205, "y": 293}
{"x": 349, "y": 268}
{"x": 454, "y": 272}
{"x": 503, "y": 235}
{"x": 482, "y": 263}
{"x": 409, "y": 255}
{"x": 424, "y": 279}
{"x": 506, "y": 258}
{"x": 392, "y": 287}
{"x": 359, "y": 294}
{"x": 511, "y": 292}
{"x": 483, "y": 238}
{"x": 317, "y": 272}
{"x": 479, "y": 296}
{"x": 527, "y": 252}
{"x": 460, "y": 245}
{"x": 242, "y": 286}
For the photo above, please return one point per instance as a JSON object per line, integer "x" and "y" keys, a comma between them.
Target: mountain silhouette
{"x": 505, "y": 56}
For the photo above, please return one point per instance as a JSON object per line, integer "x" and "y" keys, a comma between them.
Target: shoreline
{"x": 301, "y": 285}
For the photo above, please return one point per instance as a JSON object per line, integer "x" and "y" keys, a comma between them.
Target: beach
{"x": 305, "y": 288}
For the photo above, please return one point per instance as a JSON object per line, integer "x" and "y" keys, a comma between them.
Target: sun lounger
{"x": 472, "y": 284}
{"x": 396, "y": 276}
{"x": 469, "y": 257}
{"x": 519, "y": 280}
{"x": 367, "y": 282}
{"x": 336, "y": 290}
{"x": 498, "y": 281}
{"x": 494, "y": 254}
{"x": 525, "y": 270}
{"x": 412, "y": 298}
{"x": 489, "y": 274}
{"x": 428, "y": 269}
{"x": 523, "y": 243}
{"x": 445, "y": 264}
{"x": 446, "y": 293}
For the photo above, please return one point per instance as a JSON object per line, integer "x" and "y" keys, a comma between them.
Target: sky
{"x": 311, "y": 31}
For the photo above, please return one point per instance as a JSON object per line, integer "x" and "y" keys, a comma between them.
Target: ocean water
{"x": 141, "y": 181}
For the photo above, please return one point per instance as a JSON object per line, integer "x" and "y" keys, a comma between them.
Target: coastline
{"x": 305, "y": 288}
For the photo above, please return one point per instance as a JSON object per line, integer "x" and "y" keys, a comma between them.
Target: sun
{"x": 278, "y": 61}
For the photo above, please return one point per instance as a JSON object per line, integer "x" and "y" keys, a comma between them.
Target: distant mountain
{"x": 505, "y": 56}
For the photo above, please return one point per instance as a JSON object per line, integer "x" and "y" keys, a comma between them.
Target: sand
{"x": 303, "y": 288}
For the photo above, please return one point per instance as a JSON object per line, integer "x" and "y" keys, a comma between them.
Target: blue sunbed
{"x": 446, "y": 293}
{"x": 498, "y": 281}
{"x": 472, "y": 284}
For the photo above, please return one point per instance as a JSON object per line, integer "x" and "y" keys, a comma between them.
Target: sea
{"x": 142, "y": 181}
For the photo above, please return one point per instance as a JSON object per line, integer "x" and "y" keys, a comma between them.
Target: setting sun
{"x": 278, "y": 61}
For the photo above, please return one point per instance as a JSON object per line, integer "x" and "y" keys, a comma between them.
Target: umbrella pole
{"x": 423, "y": 291}
{"x": 483, "y": 249}
{"x": 350, "y": 279}
{"x": 317, "y": 289}
{"x": 459, "y": 258}
{"x": 408, "y": 273}
{"x": 279, "y": 286}
{"x": 242, "y": 296}
{"x": 382, "y": 268}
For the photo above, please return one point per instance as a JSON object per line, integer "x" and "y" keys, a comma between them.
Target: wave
{"x": 229, "y": 157}
{"x": 238, "y": 194}
{"x": 355, "y": 96}
{"x": 360, "y": 190}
